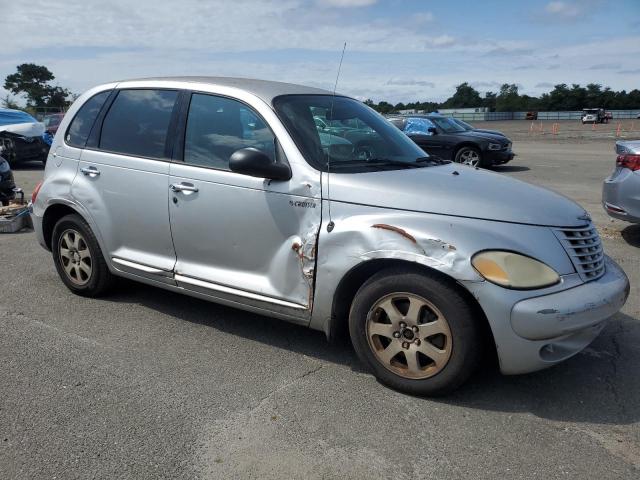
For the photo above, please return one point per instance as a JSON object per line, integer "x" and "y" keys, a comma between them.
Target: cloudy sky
{"x": 397, "y": 50}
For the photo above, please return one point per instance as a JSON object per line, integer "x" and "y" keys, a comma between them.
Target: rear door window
{"x": 137, "y": 123}
{"x": 80, "y": 126}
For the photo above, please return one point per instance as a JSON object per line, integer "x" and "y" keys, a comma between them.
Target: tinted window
{"x": 137, "y": 122}
{"x": 218, "y": 126}
{"x": 81, "y": 124}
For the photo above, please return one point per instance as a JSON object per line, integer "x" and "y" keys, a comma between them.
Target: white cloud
{"x": 215, "y": 26}
{"x": 410, "y": 82}
{"x": 422, "y": 17}
{"x": 442, "y": 41}
{"x": 563, "y": 8}
{"x": 296, "y": 41}
{"x": 347, "y": 3}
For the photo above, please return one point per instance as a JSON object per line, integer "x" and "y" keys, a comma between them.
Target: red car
{"x": 52, "y": 121}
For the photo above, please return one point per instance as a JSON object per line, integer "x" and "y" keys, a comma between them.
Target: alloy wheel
{"x": 409, "y": 335}
{"x": 75, "y": 257}
{"x": 470, "y": 157}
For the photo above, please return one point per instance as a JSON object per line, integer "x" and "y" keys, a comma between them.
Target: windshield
{"x": 447, "y": 125}
{"x": 348, "y": 134}
{"x": 463, "y": 124}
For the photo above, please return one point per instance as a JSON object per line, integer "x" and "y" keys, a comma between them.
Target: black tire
{"x": 462, "y": 151}
{"x": 100, "y": 279}
{"x": 466, "y": 346}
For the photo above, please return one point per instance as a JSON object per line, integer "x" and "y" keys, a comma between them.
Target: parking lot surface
{"x": 150, "y": 384}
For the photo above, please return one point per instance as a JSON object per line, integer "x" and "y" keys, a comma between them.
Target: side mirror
{"x": 251, "y": 161}
{"x": 432, "y": 130}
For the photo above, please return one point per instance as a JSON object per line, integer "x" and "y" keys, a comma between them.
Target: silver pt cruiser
{"x": 227, "y": 190}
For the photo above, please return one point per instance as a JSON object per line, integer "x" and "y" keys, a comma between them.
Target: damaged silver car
{"x": 228, "y": 190}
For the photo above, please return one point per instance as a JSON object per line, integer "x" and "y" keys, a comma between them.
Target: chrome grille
{"x": 585, "y": 250}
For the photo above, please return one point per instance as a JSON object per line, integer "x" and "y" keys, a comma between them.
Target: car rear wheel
{"x": 416, "y": 332}
{"x": 469, "y": 156}
{"x": 78, "y": 258}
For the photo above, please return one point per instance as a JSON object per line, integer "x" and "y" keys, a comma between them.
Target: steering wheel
{"x": 365, "y": 152}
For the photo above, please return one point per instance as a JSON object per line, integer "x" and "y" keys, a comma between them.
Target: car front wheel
{"x": 469, "y": 156}
{"x": 415, "y": 331}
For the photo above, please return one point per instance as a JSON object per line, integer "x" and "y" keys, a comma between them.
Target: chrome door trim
{"x": 140, "y": 267}
{"x": 240, "y": 293}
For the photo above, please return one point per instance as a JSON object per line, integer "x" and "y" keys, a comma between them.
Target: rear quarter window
{"x": 80, "y": 127}
{"x": 137, "y": 123}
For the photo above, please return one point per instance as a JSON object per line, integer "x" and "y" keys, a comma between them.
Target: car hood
{"x": 24, "y": 129}
{"x": 490, "y": 132}
{"x": 461, "y": 191}
{"x": 483, "y": 135}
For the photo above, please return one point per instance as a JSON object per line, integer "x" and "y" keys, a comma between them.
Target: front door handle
{"x": 186, "y": 188}
{"x": 92, "y": 172}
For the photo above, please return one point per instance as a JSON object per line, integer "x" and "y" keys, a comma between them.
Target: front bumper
{"x": 497, "y": 157}
{"x": 535, "y": 332}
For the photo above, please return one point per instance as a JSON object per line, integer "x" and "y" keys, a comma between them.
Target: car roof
{"x": 265, "y": 89}
{"x": 417, "y": 115}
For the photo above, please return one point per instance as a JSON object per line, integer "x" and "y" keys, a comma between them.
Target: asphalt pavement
{"x": 150, "y": 384}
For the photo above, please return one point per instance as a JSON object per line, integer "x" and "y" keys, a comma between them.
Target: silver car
{"x": 621, "y": 190}
{"x": 223, "y": 189}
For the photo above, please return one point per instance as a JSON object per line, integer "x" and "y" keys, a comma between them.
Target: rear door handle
{"x": 186, "y": 188}
{"x": 90, "y": 171}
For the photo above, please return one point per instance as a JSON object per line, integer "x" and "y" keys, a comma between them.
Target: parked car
{"x": 620, "y": 197}
{"x": 52, "y": 122}
{"x": 531, "y": 116}
{"x": 470, "y": 128}
{"x": 594, "y": 115}
{"x": 7, "y": 185}
{"x": 21, "y": 137}
{"x": 422, "y": 261}
{"x": 442, "y": 137}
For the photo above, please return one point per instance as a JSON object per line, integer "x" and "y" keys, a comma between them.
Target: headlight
{"x": 495, "y": 146}
{"x": 4, "y": 166}
{"x": 512, "y": 270}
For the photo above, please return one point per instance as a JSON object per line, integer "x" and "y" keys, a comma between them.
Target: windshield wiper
{"x": 433, "y": 159}
{"x": 375, "y": 162}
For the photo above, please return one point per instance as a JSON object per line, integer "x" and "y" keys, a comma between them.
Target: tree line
{"x": 33, "y": 82}
{"x": 562, "y": 98}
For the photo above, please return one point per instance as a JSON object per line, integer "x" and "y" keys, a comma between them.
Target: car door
{"x": 239, "y": 238}
{"x": 123, "y": 182}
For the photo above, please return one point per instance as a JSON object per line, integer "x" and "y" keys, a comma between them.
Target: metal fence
{"x": 575, "y": 115}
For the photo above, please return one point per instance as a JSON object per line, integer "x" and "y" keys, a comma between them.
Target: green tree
{"x": 489, "y": 101}
{"x": 465, "y": 97}
{"x": 509, "y": 100}
{"x": 32, "y": 81}
{"x": 384, "y": 107}
{"x": 9, "y": 102}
